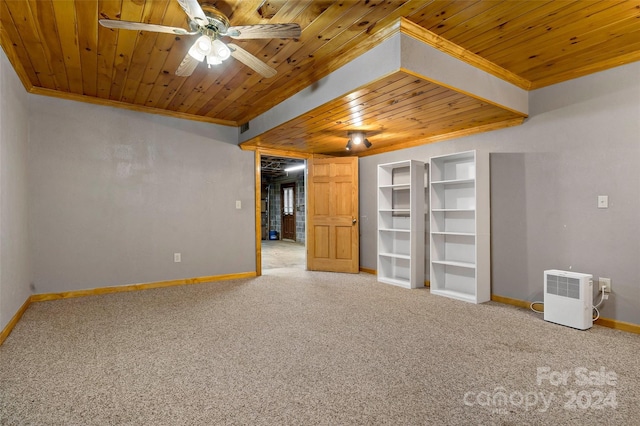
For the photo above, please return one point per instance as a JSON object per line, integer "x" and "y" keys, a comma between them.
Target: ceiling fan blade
{"x": 251, "y": 61}
{"x": 139, "y": 26}
{"x": 195, "y": 12}
{"x": 187, "y": 66}
{"x": 265, "y": 31}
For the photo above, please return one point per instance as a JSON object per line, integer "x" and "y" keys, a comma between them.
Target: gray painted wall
{"x": 14, "y": 253}
{"x": 582, "y": 140}
{"x": 114, "y": 194}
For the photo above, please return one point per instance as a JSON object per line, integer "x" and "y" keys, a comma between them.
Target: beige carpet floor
{"x": 298, "y": 347}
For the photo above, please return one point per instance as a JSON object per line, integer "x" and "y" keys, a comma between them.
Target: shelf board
{"x": 396, "y": 255}
{"x": 396, "y": 186}
{"x": 394, "y": 230}
{"x": 453, "y": 181}
{"x": 395, "y": 210}
{"x": 455, "y": 295}
{"x": 395, "y": 165}
{"x": 464, "y": 234}
{"x": 401, "y": 282}
{"x": 460, "y": 157}
{"x": 453, "y": 210}
{"x": 455, "y": 263}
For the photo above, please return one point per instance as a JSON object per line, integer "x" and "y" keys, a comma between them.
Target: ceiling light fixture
{"x": 213, "y": 60}
{"x": 221, "y": 50}
{"x": 201, "y": 48}
{"x": 293, "y": 168}
{"x": 357, "y": 138}
{"x": 214, "y": 50}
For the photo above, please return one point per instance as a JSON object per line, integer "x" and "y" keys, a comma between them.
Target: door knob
{"x": 354, "y": 221}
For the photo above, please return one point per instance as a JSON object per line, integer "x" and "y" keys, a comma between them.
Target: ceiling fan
{"x": 212, "y": 24}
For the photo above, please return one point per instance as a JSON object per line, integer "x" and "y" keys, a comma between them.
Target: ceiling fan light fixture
{"x": 221, "y": 50}
{"x": 201, "y": 48}
{"x": 348, "y": 147}
{"x": 367, "y": 143}
{"x": 213, "y": 60}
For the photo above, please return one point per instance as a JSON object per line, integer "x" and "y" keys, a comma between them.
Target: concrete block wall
{"x": 275, "y": 218}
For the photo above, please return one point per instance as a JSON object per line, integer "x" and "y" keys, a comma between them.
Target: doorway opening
{"x": 282, "y": 212}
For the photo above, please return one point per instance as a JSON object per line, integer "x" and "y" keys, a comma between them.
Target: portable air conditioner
{"x": 568, "y": 298}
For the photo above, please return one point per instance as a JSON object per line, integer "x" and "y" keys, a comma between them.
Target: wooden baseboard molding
{"x": 510, "y": 301}
{"x": 9, "y": 327}
{"x": 605, "y": 322}
{"x": 136, "y": 287}
{"x": 618, "y": 325}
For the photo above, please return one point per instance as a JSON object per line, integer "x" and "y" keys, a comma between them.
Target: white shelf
{"x": 396, "y": 281}
{"x": 396, "y": 187}
{"x": 396, "y": 255}
{"x": 455, "y": 295}
{"x": 452, "y": 182}
{"x": 452, "y": 222}
{"x": 401, "y": 221}
{"x": 454, "y": 263}
{"x": 459, "y": 226}
{"x": 463, "y": 234}
{"x": 453, "y": 210}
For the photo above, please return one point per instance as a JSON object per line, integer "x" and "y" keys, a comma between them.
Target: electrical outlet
{"x": 605, "y": 282}
{"x": 177, "y": 257}
{"x": 603, "y": 201}
{"x": 238, "y": 204}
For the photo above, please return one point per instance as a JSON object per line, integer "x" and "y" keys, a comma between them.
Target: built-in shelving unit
{"x": 460, "y": 226}
{"x": 401, "y": 220}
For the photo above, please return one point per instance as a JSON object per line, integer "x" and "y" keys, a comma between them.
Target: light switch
{"x": 238, "y": 204}
{"x": 603, "y": 201}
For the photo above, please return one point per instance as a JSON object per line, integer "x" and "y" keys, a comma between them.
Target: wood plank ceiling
{"x": 58, "y": 49}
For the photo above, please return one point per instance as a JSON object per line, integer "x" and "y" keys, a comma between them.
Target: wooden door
{"x": 288, "y": 209}
{"x": 332, "y": 215}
